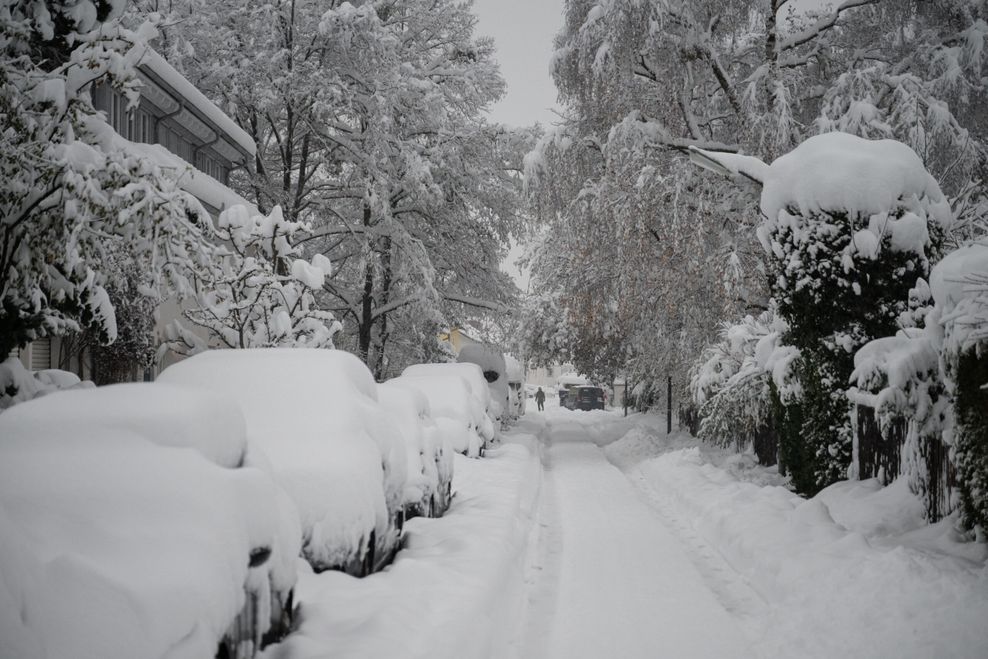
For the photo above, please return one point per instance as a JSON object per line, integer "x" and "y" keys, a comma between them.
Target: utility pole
{"x": 669, "y": 407}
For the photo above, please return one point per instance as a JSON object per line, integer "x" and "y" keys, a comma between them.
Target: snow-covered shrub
{"x": 18, "y": 385}
{"x": 136, "y": 545}
{"x": 259, "y": 293}
{"x": 960, "y": 291}
{"x": 68, "y": 188}
{"x": 898, "y": 382}
{"x": 136, "y": 346}
{"x": 731, "y": 388}
{"x": 316, "y": 416}
{"x": 849, "y": 227}
{"x": 932, "y": 379}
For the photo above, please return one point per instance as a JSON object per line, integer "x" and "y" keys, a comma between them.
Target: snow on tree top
{"x": 843, "y": 172}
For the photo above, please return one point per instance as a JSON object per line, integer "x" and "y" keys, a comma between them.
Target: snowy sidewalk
{"x": 613, "y": 580}
{"x": 454, "y": 589}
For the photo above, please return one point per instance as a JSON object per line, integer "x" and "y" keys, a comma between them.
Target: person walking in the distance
{"x": 540, "y": 399}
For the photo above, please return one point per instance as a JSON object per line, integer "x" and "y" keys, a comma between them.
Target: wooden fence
{"x": 880, "y": 456}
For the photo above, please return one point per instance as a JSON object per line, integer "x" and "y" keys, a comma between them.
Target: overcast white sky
{"x": 523, "y": 31}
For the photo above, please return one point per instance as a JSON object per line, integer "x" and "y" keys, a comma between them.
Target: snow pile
{"x": 315, "y": 415}
{"x": 17, "y": 384}
{"x": 115, "y": 546}
{"x": 455, "y": 589}
{"x": 852, "y": 572}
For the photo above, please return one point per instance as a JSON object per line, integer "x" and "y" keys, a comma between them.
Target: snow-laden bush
{"x": 849, "y": 227}
{"x": 315, "y": 415}
{"x": 259, "y": 294}
{"x": 18, "y": 385}
{"x": 731, "y": 387}
{"x": 121, "y": 542}
{"x": 933, "y": 379}
{"x": 960, "y": 292}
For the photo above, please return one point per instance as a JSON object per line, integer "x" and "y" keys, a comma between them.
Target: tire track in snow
{"x": 730, "y": 587}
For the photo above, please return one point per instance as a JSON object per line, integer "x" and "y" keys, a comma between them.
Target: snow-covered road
{"x": 610, "y": 579}
{"x": 585, "y": 534}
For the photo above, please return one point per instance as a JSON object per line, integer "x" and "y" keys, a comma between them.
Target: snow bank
{"x": 852, "y": 572}
{"x": 454, "y": 589}
{"x": 315, "y": 414}
{"x": 115, "y": 546}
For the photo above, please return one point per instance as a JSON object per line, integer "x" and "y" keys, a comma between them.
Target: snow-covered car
{"x": 516, "y": 384}
{"x": 429, "y": 453}
{"x": 494, "y": 369}
{"x": 316, "y": 416}
{"x": 459, "y": 418}
{"x": 136, "y": 528}
{"x": 476, "y": 388}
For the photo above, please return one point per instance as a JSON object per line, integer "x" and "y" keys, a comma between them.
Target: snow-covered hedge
{"x": 120, "y": 541}
{"x": 331, "y": 446}
{"x": 933, "y": 379}
{"x": 850, "y": 227}
{"x": 732, "y": 385}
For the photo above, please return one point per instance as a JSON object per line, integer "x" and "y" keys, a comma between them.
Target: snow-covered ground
{"x": 586, "y": 534}
{"x": 454, "y": 588}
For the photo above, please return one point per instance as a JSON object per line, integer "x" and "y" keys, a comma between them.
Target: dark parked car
{"x": 585, "y": 398}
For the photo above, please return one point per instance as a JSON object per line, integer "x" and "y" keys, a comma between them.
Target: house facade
{"x": 183, "y": 132}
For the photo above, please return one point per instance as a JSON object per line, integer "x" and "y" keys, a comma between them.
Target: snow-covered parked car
{"x": 458, "y": 415}
{"x": 428, "y": 487}
{"x": 494, "y": 369}
{"x": 517, "y": 403}
{"x": 316, "y": 416}
{"x": 137, "y": 529}
{"x": 476, "y": 388}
